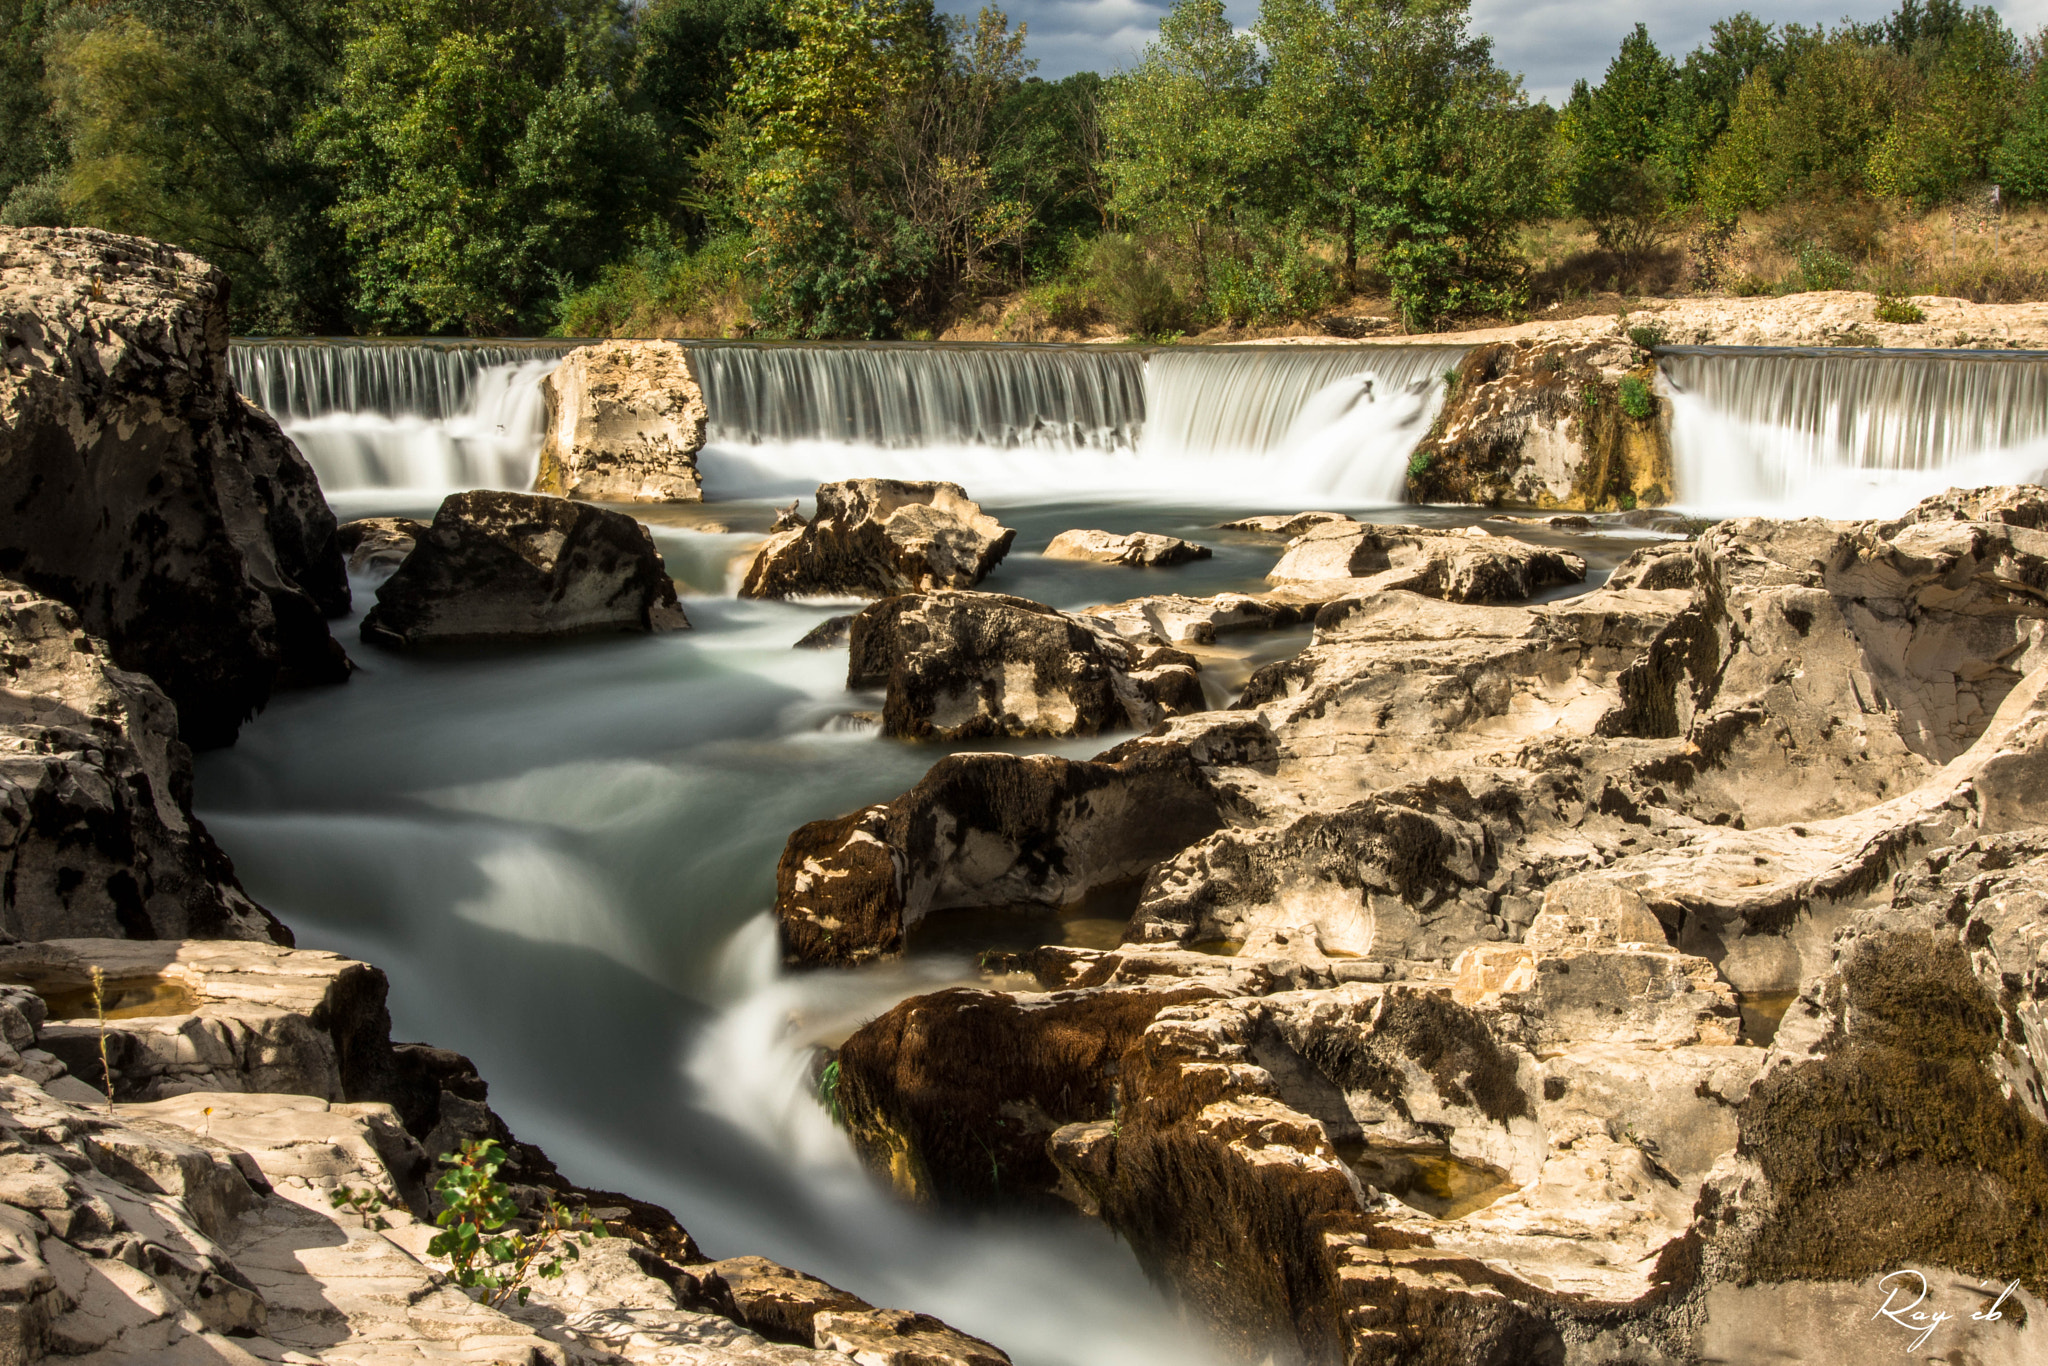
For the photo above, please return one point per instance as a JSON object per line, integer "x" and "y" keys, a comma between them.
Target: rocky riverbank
{"x": 1620, "y": 979}
{"x": 211, "y": 1150}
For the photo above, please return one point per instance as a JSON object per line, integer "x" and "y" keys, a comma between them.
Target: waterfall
{"x": 1850, "y": 433}
{"x": 1025, "y": 422}
{"x": 424, "y": 415}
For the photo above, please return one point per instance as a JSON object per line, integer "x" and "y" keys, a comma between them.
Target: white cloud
{"x": 1551, "y": 42}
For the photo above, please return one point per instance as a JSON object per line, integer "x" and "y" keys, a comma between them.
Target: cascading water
{"x": 1850, "y": 433}
{"x": 1316, "y": 422}
{"x": 405, "y": 415}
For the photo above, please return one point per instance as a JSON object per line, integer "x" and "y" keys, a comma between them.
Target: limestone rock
{"x": 829, "y": 634}
{"x": 1470, "y": 565}
{"x": 97, "y": 836}
{"x": 1284, "y": 524}
{"x": 1544, "y": 426}
{"x": 140, "y": 489}
{"x": 896, "y": 1337}
{"x": 984, "y": 830}
{"x": 873, "y": 538}
{"x": 378, "y": 544}
{"x": 508, "y": 566}
{"x": 1174, "y": 619}
{"x": 776, "y": 1302}
{"x": 625, "y": 421}
{"x": 1140, "y": 550}
{"x": 963, "y": 666}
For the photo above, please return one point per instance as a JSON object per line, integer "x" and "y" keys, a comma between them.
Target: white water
{"x": 1850, "y": 434}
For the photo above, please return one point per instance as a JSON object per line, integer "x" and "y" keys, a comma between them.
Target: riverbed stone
{"x": 873, "y": 538}
{"x": 140, "y": 489}
{"x": 1140, "y": 550}
{"x": 97, "y": 835}
{"x": 378, "y": 544}
{"x": 1283, "y": 524}
{"x": 510, "y": 566}
{"x": 1464, "y": 565}
{"x": 963, "y": 666}
{"x": 625, "y": 420}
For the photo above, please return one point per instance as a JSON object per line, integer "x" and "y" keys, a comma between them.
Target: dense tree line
{"x": 873, "y": 168}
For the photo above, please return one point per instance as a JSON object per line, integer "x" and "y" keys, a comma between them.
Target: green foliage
{"x": 1891, "y": 310}
{"x": 1131, "y": 289}
{"x": 2020, "y": 165}
{"x": 1956, "y": 116}
{"x": 828, "y": 1092}
{"x": 1617, "y": 175}
{"x": 486, "y": 1249}
{"x": 1635, "y": 398}
{"x": 1419, "y": 463}
{"x": 664, "y": 282}
{"x": 483, "y": 154}
{"x": 1646, "y": 336}
{"x": 366, "y": 1204}
{"x": 1820, "y": 268}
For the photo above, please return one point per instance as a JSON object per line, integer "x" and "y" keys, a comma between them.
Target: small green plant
{"x": 1418, "y": 464}
{"x": 99, "y": 1008}
{"x": 368, "y": 1203}
{"x": 479, "y": 1236}
{"x": 1895, "y": 310}
{"x": 1821, "y": 269}
{"x": 1636, "y": 399}
{"x": 828, "y": 1092}
{"x": 1450, "y": 384}
{"x": 1648, "y": 337}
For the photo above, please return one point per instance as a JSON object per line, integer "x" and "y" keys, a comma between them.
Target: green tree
{"x": 33, "y": 154}
{"x": 1954, "y": 119}
{"x": 1708, "y": 84}
{"x": 1616, "y": 137}
{"x": 484, "y": 156}
{"x": 1180, "y": 132}
{"x": 2020, "y": 166}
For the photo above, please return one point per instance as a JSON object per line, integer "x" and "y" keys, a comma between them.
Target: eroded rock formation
{"x": 1548, "y": 426}
{"x": 507, "y": 566}
{"x": 140, "y": 489}
{"x": 625, "y": 421}
{"x": 1591, "y": 981}
{"x": 378, "y": 544}
{"x": 1140, "y": 550}
{"x": 965, "y": 666}
{"x": 874, "y": 538}
{"x": 97, "y": 835}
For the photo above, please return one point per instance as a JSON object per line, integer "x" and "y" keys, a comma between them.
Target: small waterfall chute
{"x": 1850, "y": 432}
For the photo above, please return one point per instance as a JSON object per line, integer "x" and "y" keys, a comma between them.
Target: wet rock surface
{"x": 964, "y": 666}
{"x": 1140, "y": 550}
{"x": 624, "y": 423}
{"x": 1545, "y": 975}
{"x": 140, "y": 489}
{"x": 507, "y": 566}
{"x": 874, "y": 538}
{"x": 97, "y": 835}
{"x": 378, "y": 545}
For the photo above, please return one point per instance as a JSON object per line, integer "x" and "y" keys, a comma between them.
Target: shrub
{"x": 1821, "y": 269}
{"x": 1647, "y": 337}
{"x": 1891, "y": 310}
{"x": 1418, "y": 464}
{"x": 1133, "y": 290}
{"x": 1636, "y": 399}
{"x": 486, "y": 1251}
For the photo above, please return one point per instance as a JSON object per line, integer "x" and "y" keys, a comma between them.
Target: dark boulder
{"x": 505, "y": 566}
{"x": 138, "y": 487}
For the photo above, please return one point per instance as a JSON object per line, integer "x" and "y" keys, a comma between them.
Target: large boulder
{"x": 137, "y": 486}
{"x": 1548, "y": 425}
{"x": 1139, "y": 549}
{"x": 508, "y": 566}
{"x": 97, "y": 835}
{"x": 872, "y": 538}
{"x": 625, "y": 421}
{"x": 966, "y": 666}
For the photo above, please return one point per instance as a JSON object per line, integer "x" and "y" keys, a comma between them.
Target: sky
{"x": 1551, "y": 42}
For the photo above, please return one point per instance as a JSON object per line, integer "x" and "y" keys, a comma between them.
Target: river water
{"x": 563, "y": 855}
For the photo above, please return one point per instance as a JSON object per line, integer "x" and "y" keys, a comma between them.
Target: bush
{"x": 1821, "y": 269}
{"x": 665, "y": 289}
{"x": 1891, "y": 310}
{"x": 1132, "y": 290}
{"x": 1636, "y": 399}
{"x": 1647, "y": 337}
{"x": 486, "y": 1251}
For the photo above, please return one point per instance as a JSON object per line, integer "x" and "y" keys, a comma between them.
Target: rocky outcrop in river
{"x": 965, "y": 666}
{"x": 510, "y": 566}
{"x": 625, "y": 421}
{"x": 140, "y": 489}
{"x": 874, "y": 538}
{"x": 1140, "y": 550}
{"x": 97, "y": 835}
{"x": 1594, "y": 981}
{"x": 1548, "y": 426}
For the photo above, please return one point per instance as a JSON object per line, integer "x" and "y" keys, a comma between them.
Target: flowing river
{"x": 563, "y": 855}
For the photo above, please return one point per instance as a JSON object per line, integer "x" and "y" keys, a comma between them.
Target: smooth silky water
{"x": 563, "y": 855}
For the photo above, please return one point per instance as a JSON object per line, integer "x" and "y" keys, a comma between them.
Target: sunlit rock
{"x": 872, "y": 538}
{"x": 624, "y": 423}
{"x": 1139, "y": 550}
